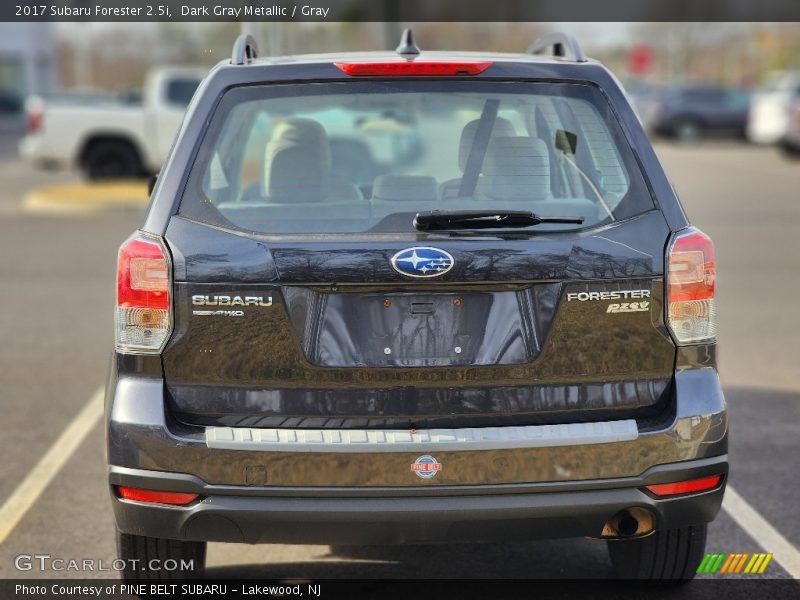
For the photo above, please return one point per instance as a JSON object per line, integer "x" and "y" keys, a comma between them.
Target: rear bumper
{"x": 391, "y": 516}
{"x": 254, "y": 491}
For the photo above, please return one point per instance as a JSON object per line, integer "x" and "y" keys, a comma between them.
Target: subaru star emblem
{"x": 422, "y": 261}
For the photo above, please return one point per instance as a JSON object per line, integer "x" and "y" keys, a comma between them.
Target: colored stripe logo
{"x": 734, "y": 563}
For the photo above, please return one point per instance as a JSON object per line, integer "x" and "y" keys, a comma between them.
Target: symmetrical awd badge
{"x": 422, "y": 262}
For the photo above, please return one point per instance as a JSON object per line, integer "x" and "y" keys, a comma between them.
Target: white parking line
{"x": 49, "y": 465}
{"x": 758, "y": 528}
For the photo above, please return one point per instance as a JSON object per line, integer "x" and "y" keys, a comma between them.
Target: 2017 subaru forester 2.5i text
{"x": 415, "y": 297}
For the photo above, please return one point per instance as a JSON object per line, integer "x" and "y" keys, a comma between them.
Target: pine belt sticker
{"x": 426, "y": 466}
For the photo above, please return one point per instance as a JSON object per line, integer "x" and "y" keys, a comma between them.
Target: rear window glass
{"x": 367, "y": 156}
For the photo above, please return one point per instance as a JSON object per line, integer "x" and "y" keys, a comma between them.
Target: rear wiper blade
{"x": 436, "y": 220}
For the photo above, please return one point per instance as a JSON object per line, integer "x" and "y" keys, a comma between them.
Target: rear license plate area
{"x": 417, "y": 329}
{"x": 405, "y": 329}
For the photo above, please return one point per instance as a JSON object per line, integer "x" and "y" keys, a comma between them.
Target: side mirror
{"x": 151, "y": 183}
{"x": 566, "y": 141}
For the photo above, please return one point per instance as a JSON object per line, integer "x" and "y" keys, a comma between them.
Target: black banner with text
{"x": 394, "y": 11}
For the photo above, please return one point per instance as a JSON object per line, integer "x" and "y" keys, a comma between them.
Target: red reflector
{"x": 685, "y": 487}
{"x": 416, "y": 67}
{"x": 155, "y": 496}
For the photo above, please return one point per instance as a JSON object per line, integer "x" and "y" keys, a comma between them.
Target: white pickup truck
{"x": 110, "y": 137}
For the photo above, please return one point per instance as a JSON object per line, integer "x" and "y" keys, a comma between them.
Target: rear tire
{"x": 668, "y": 556}
{"x": 111, "y": 159}
{"x": 140, "y": 553}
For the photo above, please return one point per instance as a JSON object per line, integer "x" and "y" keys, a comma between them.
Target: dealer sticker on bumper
{"x": 426, "y": 466}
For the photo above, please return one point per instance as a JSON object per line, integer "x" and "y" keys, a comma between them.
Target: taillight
{"x": 143, "y": 318}
{"x": 691, "y": 486}
{"x": 155, "y": 496}
{"x": 690, "y": 287}
{"x": 34, "y": 119}
{"x": 414, "y": 68}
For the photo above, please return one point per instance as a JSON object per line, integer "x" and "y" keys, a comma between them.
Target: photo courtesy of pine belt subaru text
{"x": 409, "y": 297}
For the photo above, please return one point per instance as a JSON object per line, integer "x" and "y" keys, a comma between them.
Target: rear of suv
{"x": 415, "y": 297}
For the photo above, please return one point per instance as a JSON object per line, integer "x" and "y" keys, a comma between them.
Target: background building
{"x": 27, "y": 63}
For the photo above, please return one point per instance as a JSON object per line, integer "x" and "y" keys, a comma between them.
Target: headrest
{"x": 517, "y": 168}
{"x": 502, "y": 127}
{"x": 297, "y": 162}
{"x": 401, "y": 188}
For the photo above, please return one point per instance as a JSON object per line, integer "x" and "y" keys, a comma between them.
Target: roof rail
{"x": 563, "y": 44}
{"x": 244, "y": 49}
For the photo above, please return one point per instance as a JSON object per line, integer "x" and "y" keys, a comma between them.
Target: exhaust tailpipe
{"x": 631, "y": 522}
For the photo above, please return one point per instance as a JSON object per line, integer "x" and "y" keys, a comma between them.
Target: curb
{"x": 85, "y": 198}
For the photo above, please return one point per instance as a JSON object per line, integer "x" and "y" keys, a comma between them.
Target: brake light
{"x": 691, "y": 272}
{"x": 143, "y": 319}
{"x": 155, "y": 496}
{"x": 414, "y": 68}
{"x": 685, "y": 487}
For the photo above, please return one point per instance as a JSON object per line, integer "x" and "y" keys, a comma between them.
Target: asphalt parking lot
{"x": 56, "y": 294}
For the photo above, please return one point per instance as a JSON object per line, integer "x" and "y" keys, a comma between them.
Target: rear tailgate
{"x": 321, "y": 332}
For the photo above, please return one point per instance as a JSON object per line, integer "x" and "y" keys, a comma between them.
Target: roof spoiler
{"x": 563, "y": 45}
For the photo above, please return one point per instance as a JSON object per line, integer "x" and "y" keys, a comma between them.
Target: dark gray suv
{"x": 415, "y": 297}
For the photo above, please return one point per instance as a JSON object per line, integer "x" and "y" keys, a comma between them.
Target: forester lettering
{"x": 615, "y": 295}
